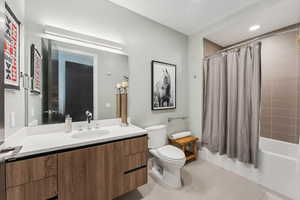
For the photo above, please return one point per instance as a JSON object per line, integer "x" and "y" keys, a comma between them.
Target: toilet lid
{"x": 171, "y": 153}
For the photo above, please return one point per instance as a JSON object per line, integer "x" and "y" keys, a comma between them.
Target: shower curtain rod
{"x": 264, "y": 36}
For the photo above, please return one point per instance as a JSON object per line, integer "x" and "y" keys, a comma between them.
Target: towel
{"x": 180, "y": 135}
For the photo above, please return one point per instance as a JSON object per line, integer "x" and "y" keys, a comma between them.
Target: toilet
{"x": 168, "y": 160}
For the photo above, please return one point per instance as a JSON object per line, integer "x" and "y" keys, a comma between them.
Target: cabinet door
{"x": 115, "y": 165}
{"x": 96, "y": 174}
{"x": 81, "y": 174}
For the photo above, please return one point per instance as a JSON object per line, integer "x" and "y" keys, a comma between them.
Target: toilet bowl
{"x": 167, "y": 160}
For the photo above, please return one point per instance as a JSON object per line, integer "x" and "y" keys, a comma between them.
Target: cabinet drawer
{"x": 135, "y": 145}
{"x": 135, "y": 179}
{"x": 25, "y": 171}
{"x": 42, "y": 189}
{"x": 36, "y": 190}
{"x": 135, "y": 161}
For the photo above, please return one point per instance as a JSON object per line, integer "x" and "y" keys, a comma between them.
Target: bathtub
{"x": 277, "y": 166}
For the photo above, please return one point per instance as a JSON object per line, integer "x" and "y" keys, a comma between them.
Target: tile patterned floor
{"x": 204, "y": 181}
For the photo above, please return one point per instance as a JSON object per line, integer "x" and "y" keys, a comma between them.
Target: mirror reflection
{"x": 75, "y": 81}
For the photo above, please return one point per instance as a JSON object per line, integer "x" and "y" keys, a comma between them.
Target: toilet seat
{"x": 171, "y": 153}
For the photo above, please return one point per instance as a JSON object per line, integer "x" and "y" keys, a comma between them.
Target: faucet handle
{"x": 88, "y": 113}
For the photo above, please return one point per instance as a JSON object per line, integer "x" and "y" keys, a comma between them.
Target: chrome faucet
{"x": 89, "y": 116}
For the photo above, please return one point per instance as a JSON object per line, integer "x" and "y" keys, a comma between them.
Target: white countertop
{"x": 33, "y": 144}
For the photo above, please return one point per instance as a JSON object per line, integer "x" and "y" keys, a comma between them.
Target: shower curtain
{"x": 231, "y": 97}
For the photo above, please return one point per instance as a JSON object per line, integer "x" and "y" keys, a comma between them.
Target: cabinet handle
{"x": 132, "y": 170}
{"x": 53, "y": 198}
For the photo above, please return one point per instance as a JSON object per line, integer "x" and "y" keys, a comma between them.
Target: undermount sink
{"x": 89, "y": 133}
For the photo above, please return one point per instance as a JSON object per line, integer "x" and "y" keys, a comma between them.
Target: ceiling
{"x": 224, "y": 22}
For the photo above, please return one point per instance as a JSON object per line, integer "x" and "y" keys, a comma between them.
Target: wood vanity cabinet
{"x": 103, "y": 172}
{"x": 99, "y": 172}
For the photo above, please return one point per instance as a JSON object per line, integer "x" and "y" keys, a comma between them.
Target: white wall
{"x": 14, "y": 100}
{"x": 144, "y": 39}
{"x": 298, "y": 169}
{"x": 195, "y": 84}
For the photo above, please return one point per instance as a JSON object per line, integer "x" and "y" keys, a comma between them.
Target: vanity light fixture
{"x": 82, "y": 40}
{"x": 49, "y": 34}
{"x": 254, "y": 27}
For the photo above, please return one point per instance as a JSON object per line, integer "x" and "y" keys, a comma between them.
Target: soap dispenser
{"x": 68, "y": 124}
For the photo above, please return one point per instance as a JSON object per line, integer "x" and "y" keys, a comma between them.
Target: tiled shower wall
{"x": 280, "y": 116}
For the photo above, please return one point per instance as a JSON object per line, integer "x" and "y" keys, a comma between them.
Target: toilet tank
{"x": 157, "y": 136}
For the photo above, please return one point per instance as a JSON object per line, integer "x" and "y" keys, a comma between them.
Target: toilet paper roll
{"x": 180, "y": 135}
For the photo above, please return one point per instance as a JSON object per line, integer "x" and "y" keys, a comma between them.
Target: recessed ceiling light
{"x": 254, "y": 27}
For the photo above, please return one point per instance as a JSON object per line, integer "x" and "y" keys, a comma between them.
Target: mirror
{"x": 72, "y": 79}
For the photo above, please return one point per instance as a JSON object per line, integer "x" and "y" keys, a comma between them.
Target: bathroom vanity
{"x": 103, "y": 167}
{"x": 78, "y": 83}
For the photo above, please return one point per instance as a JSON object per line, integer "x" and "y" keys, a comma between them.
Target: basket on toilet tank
{"x": 157, "y": 136}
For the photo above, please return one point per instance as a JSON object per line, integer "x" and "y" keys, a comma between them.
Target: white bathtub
{"x": 277, "y": 166}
